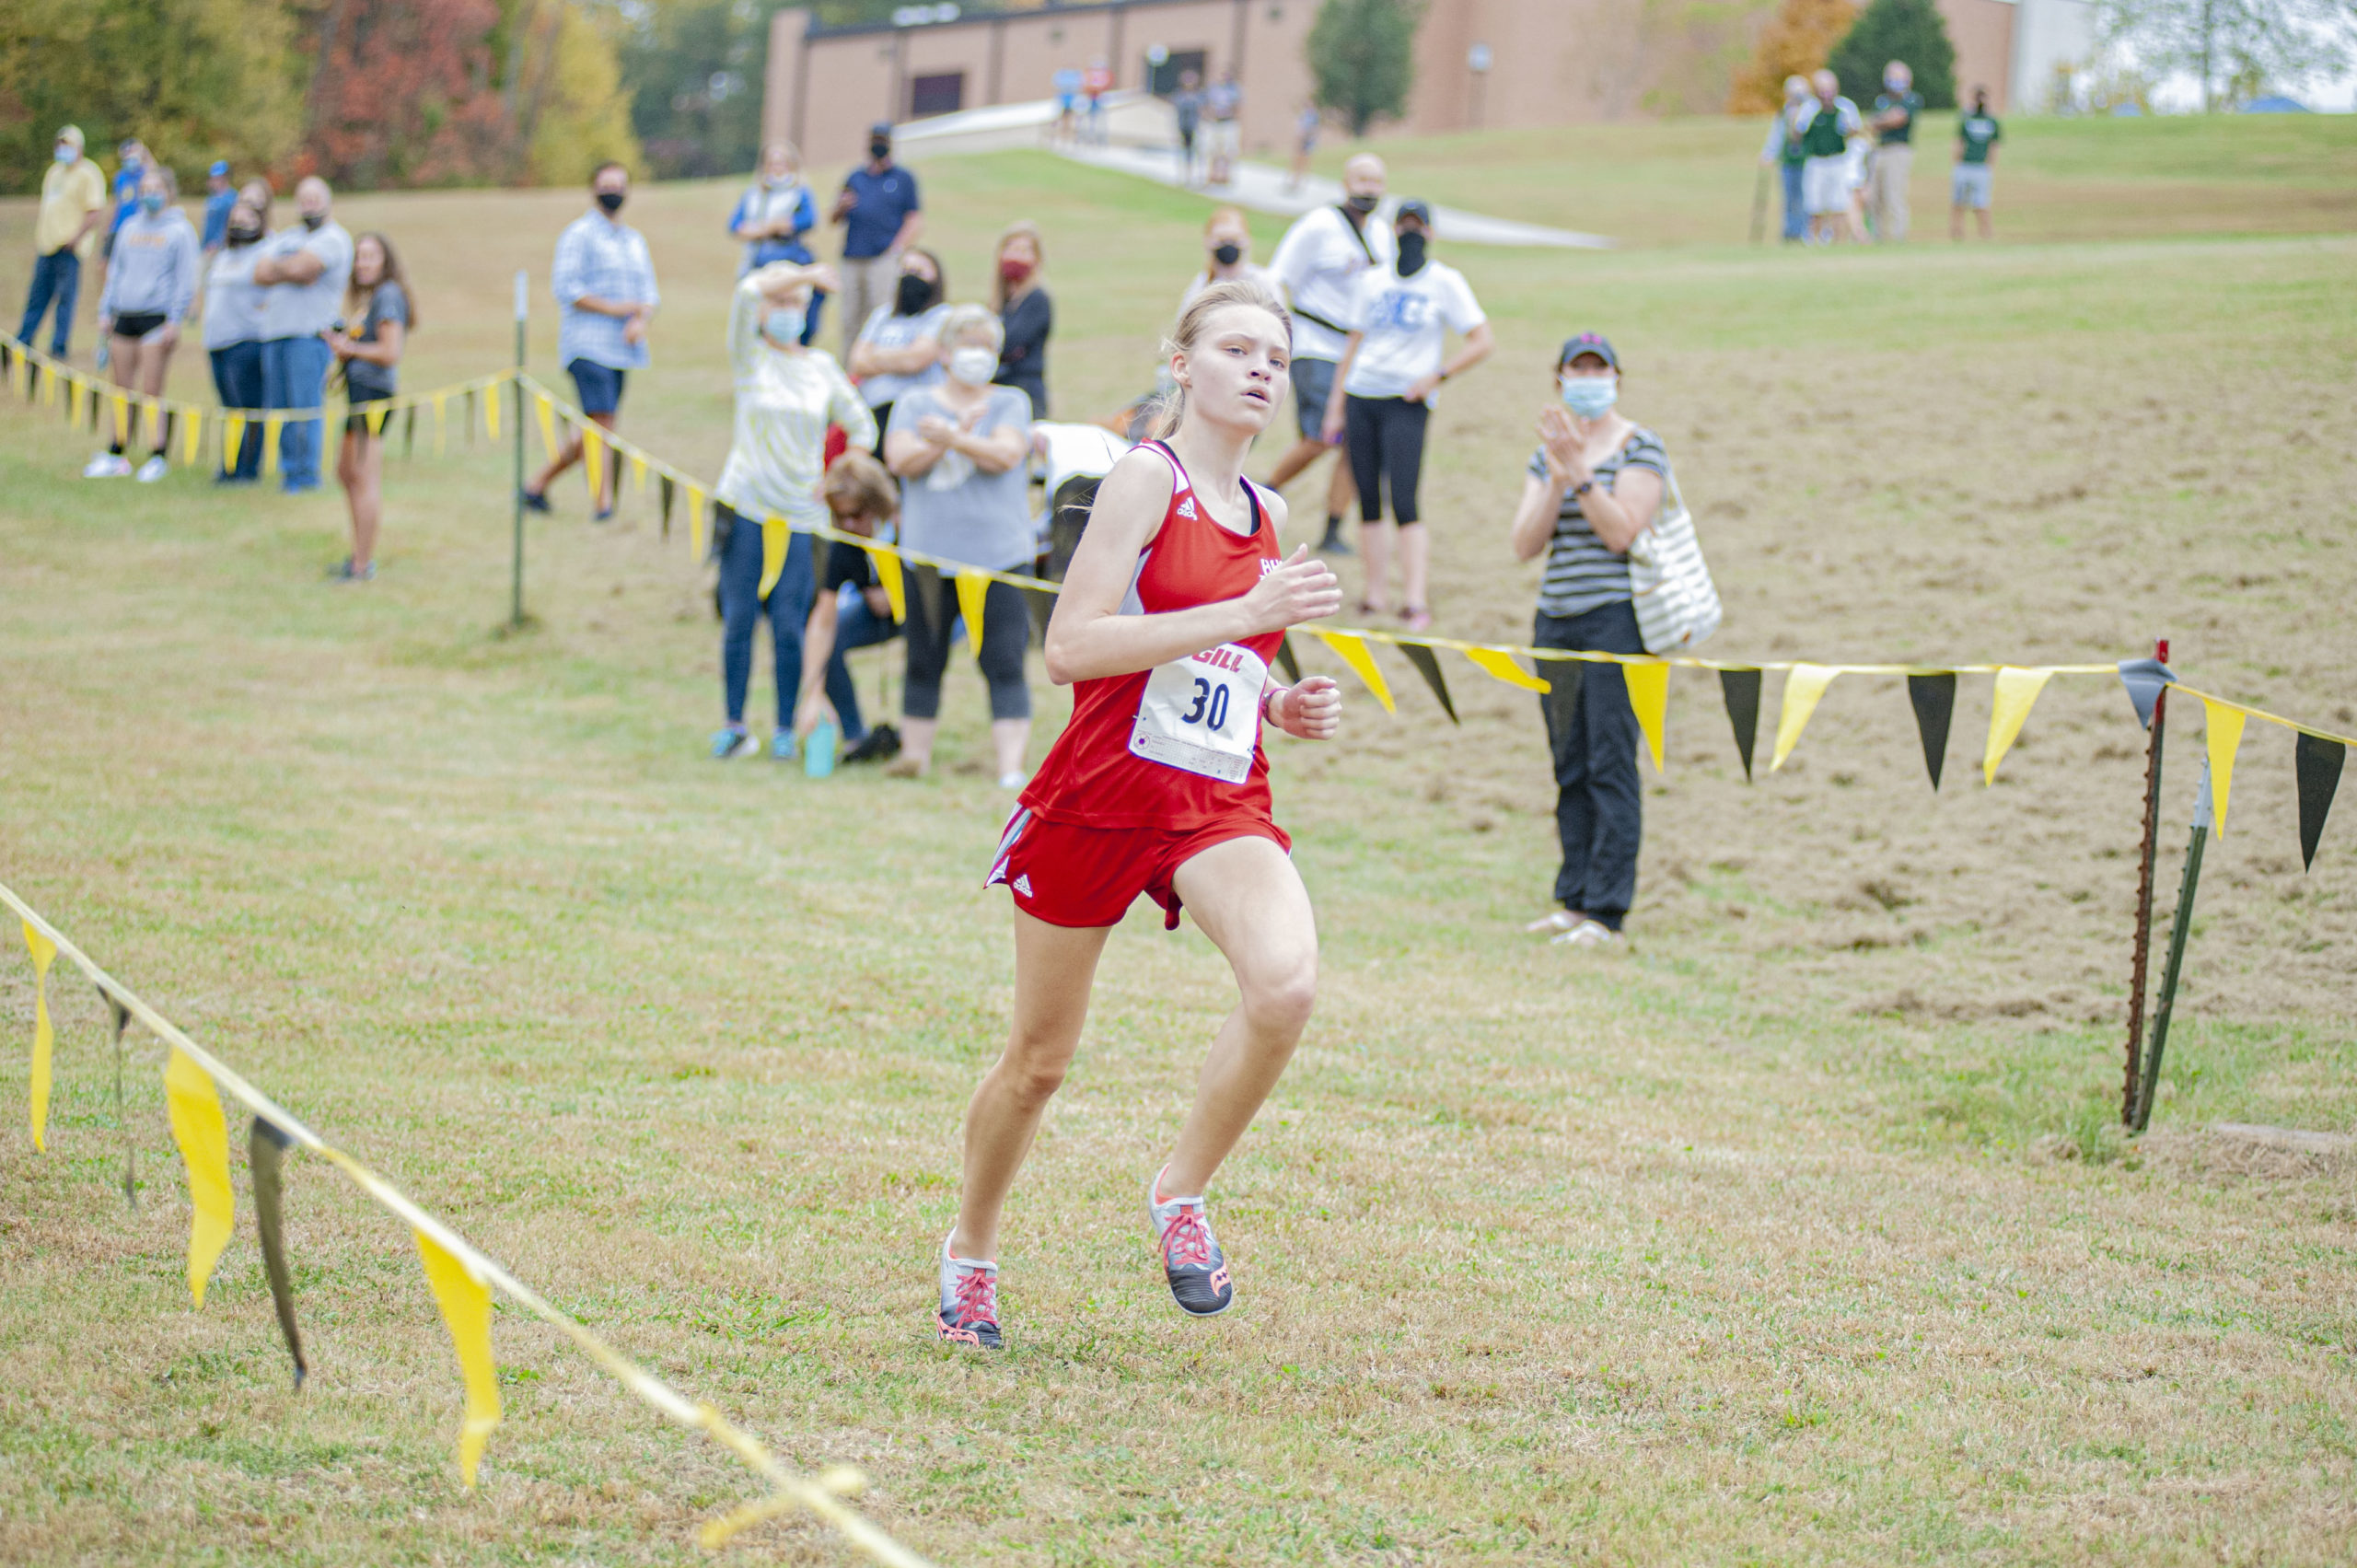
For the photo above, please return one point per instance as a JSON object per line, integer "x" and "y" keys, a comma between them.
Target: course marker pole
{"x": 2138, "y": 970}
{"x": 2179, "y": 924}
{"x": 516, "y": 595}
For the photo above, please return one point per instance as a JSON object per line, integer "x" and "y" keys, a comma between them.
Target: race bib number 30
{"x": 1202, "y": 713}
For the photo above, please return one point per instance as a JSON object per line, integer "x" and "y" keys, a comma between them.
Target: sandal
{"x": 1555, "y": 922}
{"x": 1417, "y": 618}
{"x": 904, "y": 767}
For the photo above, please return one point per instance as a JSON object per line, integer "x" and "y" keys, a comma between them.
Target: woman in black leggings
{"x": 1383, "y": 396}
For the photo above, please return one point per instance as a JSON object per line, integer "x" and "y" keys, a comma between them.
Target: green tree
{"x": 1362, "y": 56}
{"x": 1907, "y": 30}
{"x": 693, "y": 69}
{"x": 2234, "y": 49}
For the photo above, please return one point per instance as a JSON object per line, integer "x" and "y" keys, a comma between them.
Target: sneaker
{"x": 1588, "y": 933}
{"x": 1554, "y": 923}
{"x": 606, "y": 515}
{"x": 727, "y": 743}
{"x": 107, "y": 465}
{"x": 1016, "y": 780}
{"x": 968, "y": 1311}
{"x": 782, "y": 747}
{"x": 152, "y": 470}
{"x": 1417, "y": 619}
{"x": 533, "y": 503}
{"x": 348, "y": 573}
{"x": 1334, "y": 543}
{"x": 878, "y": 745}
{"x": 1191, "y": 1260}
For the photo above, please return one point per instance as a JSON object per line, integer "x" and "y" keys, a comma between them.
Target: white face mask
{"x": 972, "y": 366}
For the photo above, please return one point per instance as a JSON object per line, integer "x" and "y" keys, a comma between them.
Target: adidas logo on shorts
{"x": 1023, "y": 884}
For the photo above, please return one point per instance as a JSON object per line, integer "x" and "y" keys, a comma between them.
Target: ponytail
{"x": 1167, "y": 410}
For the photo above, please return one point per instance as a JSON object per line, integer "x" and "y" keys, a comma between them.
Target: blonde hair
{"x": 1225, "y": 215}
{"x": 1021, "y": 228}
{"x": 964, "y": 319}
{"x": 1170, "y": 408}
{"x": 859, "y": 482}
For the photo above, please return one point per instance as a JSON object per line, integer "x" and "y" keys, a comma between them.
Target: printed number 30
{"x": 1210, "y": 705}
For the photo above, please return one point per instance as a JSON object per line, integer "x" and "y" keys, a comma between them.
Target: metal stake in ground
{"x": 515, "y": 596}
{"x": 2179, "y": 924}
{"x": 2138, "y": 970}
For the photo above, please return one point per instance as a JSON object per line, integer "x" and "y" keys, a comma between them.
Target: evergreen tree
{"x": 1907, "y": 30}
{"x": 1362, "y": 56}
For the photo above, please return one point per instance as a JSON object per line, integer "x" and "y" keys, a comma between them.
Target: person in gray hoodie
{"x": 151, "y": 283}
{"x": 233, "y": 327}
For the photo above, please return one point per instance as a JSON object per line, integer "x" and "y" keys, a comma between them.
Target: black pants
{"x": 1593, "y": 732}
{"x": 1007, "y": 634}
{"x": 1384, "y": 437}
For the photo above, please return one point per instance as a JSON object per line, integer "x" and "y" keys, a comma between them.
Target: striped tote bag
{"x": 1676, "y": 603}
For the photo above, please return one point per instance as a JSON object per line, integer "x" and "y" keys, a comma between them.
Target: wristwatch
{"x": 1584, "y": 487}
{"x": 1268, "y": 697}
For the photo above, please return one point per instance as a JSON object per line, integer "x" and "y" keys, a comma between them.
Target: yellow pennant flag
{"x": 193, "y": 438}
{"x": 2225, "y": 728}
{"x": 547, "y": 410}
{"x": 888, "y": 572}
{"x": 695, "y": 522}
{"x": 490, "y": 413}
{"x": 204, "y": 1137}
{"x": 377, "y": 417}
{"x": 123, "y": 419}
{"x": 466, "y": 1307}
{"x": 49, "y": 389}
{"x": 43, "y": 950}
{"x": 440, "y": 434}
{"x": 155, "y": 422}
{"x": 270, "y": 425}
{"x": 638, "y": 472}
{"x": 1353, "y": 653}
{"x": 233, "y": 439}
{"x": 2008, "y": 707}
{"x": 775, "y": 537}
{"x": 974, "y": 592}
{"x": 1649, "y": 695}
{"x": 1804, "y": 685}
{"x": 1499, "y": 663}
{"x": 593, "y": 454}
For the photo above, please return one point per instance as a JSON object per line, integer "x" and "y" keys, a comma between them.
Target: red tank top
{"x": 1177, "y": 745}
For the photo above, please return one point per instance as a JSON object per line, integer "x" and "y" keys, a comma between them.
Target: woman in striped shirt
{"x": 786, "y": 396}
{"x": 1594, "y": 484}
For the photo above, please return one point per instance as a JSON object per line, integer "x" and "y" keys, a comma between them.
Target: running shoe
{"x": 1013, "y": 781}
{"x": 533, "y": 503}
{"x": 152, "y": 470}
{"x": 107, "y": 465}
{"x": 603, "y": 516}
{"x": 727, "y": 743}
{"x": 1334, "y": 543}
{"x": 878, "y": 745}
{"x": 348, "y": 573}
{"x": 968, "y": 1311}
{"x": 782, "y": 747}
{"x": 1191, "y": 1260}
{"x": 1587, "y": 934}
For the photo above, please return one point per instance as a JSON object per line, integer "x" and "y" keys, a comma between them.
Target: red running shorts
{"x": 1069, "y": 875}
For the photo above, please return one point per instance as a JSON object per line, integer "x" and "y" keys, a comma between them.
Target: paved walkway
{"x": 1266, "y": 187}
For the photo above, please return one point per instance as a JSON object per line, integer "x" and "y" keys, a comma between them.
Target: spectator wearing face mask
{"x": 1228, "y": 256}
{"x": 1594, "y": 484}
{"x": 882, "y": 217}
{"x": 150, "y": 288}
{"x": 786, "y": 396}
{"x": 1393, "y": 363}
{"x": 1894, "y": 126}
{"x": 73, "y": 206}
{"x": 1025, "y": 314}
{"x": 221, "y": 194}
{"x": 1319, "y": 261}
{"x": 899, "y": 347}
{"x": 1977, "y": 135}
{"x": 1783, "y": 152}
{"x": 233, "y": 333}
{"x": 304, "y": 270}
{"x": 1826, "y": 123}
{"x": 774, "y": 214}
{"x": 603, "y": 278}
{"x": 958, "y": 447}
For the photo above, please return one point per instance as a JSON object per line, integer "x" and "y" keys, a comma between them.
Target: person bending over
{"x": 852, "y": 611}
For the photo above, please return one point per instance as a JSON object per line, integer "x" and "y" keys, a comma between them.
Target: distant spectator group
{"x": 1846, "y": 175}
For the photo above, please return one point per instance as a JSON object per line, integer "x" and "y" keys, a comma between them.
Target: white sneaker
{"x": 1556, "y": 922}
{"x": 152, "y": 470}
{"x": 1587, "y": 934}
{"x": 1012, "y": 781}
{"x": 107, "y": 465}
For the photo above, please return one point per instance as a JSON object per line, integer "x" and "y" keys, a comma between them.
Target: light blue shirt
{"x": 307, "y": 309}
{"x": 606, "y": 260}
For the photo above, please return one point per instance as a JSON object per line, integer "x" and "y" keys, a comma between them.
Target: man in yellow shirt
{"x": 73, "y": 200}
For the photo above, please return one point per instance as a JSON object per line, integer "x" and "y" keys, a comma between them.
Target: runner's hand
{"x": 1311, "y": 711}
{"x": 1302, "y": 588}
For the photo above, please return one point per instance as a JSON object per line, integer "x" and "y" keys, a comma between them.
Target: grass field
{"x": 1798, "y": 1233}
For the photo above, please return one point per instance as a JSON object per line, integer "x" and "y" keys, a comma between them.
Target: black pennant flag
{"x": 667, "y": 505}
{"x": 409, "y": 432}
{"x": 1429, "y": 668}
{"x": 928, "y": 587}
{"x": 470, "y": 421}
{"x": 266, "y": 1153}
{"x": 1043, "y": 606}
{"x": 122, "y": 1015}
{"x": 2315, "y": 763}
{"x": 613, "y": 475}
{"x": 1934, "y": 699}
{"x": 1285, "y": 661}
{"x": 1741, "y": 689}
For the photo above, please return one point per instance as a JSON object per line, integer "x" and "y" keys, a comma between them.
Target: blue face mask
{"x": 1589, "y": 396}
{"x": 783, "y": 324}
{"x": 68, "y": 153}
{"x": 151, "y": 201}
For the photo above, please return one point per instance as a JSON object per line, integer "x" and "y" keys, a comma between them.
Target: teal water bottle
{"x": 818, "y": 754}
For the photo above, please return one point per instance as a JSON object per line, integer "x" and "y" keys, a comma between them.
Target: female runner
{"x": 1174, "y": 604}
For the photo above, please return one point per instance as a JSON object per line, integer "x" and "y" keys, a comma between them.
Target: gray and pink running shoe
{"x": 968, "y": 1310}
{"x": 1191, "y": 1260}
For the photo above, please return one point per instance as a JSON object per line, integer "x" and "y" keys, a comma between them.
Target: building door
{"x": 943, "y": 93}
{"x": 1162, "y": 79}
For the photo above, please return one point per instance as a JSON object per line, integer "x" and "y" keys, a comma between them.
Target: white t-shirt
{"x": 1318, "y": 262}
{"x": 1403, "y": 319}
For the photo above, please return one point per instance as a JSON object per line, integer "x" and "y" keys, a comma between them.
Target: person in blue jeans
{"x": 1594, "y": 484}
{"x": 303, "y": 272}
{"x": 865, "y": 501}
{"x": 233, "y": 334}
{"x": 1783, "y": 149}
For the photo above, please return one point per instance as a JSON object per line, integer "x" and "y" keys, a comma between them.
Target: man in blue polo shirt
{"x": 221, "y": 196}
{"x": 879, "y": 209}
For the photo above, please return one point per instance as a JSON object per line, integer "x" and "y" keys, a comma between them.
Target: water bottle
{"x": 819, "y": 751}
